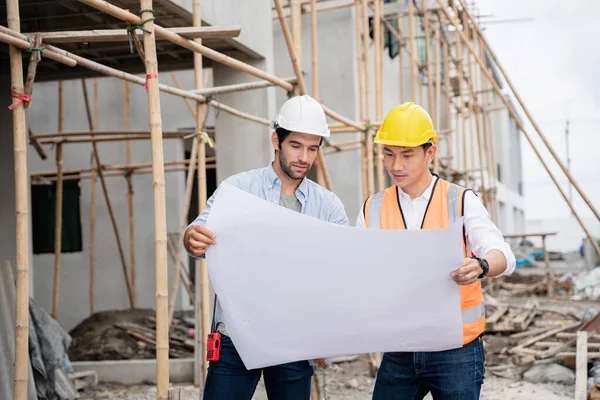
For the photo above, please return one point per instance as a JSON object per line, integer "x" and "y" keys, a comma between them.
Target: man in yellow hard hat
{"x": 419, "y": 199}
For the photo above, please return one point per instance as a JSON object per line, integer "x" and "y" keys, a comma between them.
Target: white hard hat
{"x": 302, "y": 114}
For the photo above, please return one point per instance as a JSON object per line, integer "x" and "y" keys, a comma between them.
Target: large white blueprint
{"x": 293, "y": 287}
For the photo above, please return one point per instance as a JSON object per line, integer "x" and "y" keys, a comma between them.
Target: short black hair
{"x": 283, "y": 133}
{"x": 426, "y": 146}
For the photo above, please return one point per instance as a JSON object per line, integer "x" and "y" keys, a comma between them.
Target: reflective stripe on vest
{"x": 472, "y": 316}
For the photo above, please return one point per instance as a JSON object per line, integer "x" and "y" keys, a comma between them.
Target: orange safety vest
{"x": 383, "y": 211}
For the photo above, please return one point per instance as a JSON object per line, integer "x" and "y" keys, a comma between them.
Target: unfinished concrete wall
{"x": 110, "y": 289}
{"x": 337, "y": 88}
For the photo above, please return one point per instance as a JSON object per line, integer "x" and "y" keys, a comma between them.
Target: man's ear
{"x": 275, "y": 141}
{"x": 431, "y": 153}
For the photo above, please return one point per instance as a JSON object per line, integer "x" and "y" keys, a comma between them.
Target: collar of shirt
{"x": 426, "y": 194}
{"x": 275, "y": 181}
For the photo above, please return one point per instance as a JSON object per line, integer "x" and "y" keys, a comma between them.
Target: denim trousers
{"x": 228, "y": 378}
{"x": 449, "y": 375}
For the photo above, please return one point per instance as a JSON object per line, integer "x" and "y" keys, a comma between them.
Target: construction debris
{"x": 587, "y": 285}
{"x": 129, "y": 334}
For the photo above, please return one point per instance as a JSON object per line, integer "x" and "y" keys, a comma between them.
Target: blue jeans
{"x": 449, "y": 375}
{"x": 228, "y": 378}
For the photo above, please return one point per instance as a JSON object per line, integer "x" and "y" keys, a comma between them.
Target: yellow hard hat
{"x": 406, "y": 125}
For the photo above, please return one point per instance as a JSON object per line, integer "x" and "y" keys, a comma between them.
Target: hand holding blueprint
{"x": 296, "y": 288}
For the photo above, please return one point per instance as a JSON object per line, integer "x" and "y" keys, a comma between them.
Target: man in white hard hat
{"x": 299, "y": 130}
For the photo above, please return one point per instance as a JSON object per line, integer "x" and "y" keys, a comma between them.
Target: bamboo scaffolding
{"x": 426, "y": 30}
{"x": 133, "y": 19}
{"x": 130, "y": 209}
{"x": 122, "y": 35}
{"x": 24, "y": 45}
{"x": 369, "y": 131}
{"x": 160, "y": 217}
{"x": 107, "y": 197}
{"x": 66, "y": 135}
{"x": 22, "y": 214}
{"x": 124, "y": 168}
{"x": 378, "y": 44}
{"x": 238, "y": 87}
{"x": 108, "y": 71}
{"x": 202, "y": 267}
{"x": 514, "y": 115}
{"x": 92, "y": 205}
{"x": 83, "y": 175}
{"x": 477, "y": 117}
{"x": 528, "y": 114}
{"x": 301, "y": 87}
{"x": 57, "y": 229}
{"x": 488, "y": 139}
{"x": 401, "y": 45}
{"x": 411, "y": 45}
{"x": 189, "y": 185}
{"x": 360, "y": 59}
{"x": 115, "y": 138}
{"x": 297, "y": 29}
{"x": 438, "y": 94}
{"x": 449, "y": 119}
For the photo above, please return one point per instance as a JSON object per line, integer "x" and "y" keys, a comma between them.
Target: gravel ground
{"x": 350, "y": 381}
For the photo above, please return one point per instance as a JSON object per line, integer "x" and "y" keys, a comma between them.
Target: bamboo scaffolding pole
{"x": 297, "y": 30}
{"x": 130, "y": 192}
{"x": 93, "y": 203}
{"x": 125, "y": 168}
{"x": 95, "y": 133}
{"x": 360, "y": 58}
{"x": 107, "y": 197}
{"x": 314, "y": 49}
{"x": 369, "y": 132}
{"x": 477, "y": 117}
{"x": 108, "y": 71}
{"x": 57, "y": 229}
{"x": 468, "y": 76}
{"x": 115, "y": 138}
{"x": 141, "y": 171}
{"x": 461, "y": 137}
{"x": 378, "y": 44}
{"x": 488, "y": 140}
{"x": 24, "y": 45}
{"x": 238, "y": 87}
{"x": 438, "y": 94}
{"x": 411, "y": 45}
{"x": 343, "y": 150}
{"x": 92, "y": 209}
{"x": 160, "y": 218}
{"x": 22, "y": 214}
{"x": 449, "y": 118}
{"x": 121, "y": 35}
{"x": 201, "y": 265}
{"x": 514, "y": 115}
{"x": 401, "y": 45}
{"x": 527, "y": 113}
{"x": 428, "y": 58}
{"x": 189, "y": 185}
{"x": 301, "y": 86}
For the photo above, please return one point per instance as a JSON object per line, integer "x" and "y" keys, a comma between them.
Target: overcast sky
{"x": 554, "y": 62}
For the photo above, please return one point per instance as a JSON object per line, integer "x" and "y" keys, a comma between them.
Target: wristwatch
{"x": 484, "y": 266}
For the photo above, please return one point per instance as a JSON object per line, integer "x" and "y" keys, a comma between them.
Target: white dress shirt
{"x": 482, "y": 234}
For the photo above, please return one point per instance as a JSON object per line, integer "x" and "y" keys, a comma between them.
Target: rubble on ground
{"x": 129, "y": 334}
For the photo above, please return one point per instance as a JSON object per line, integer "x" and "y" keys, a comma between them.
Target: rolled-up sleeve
{"x": 482, "y": 234}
